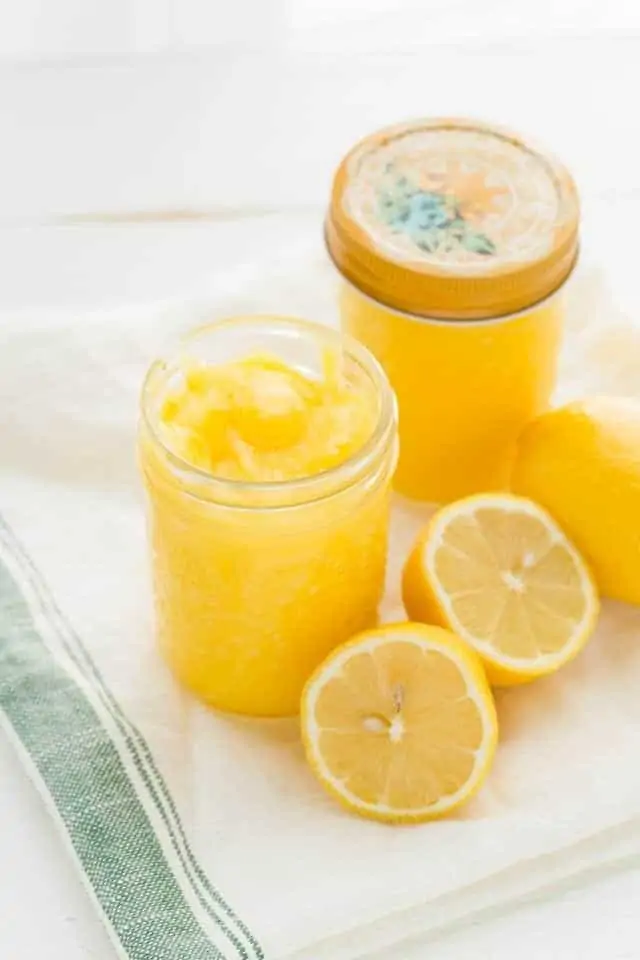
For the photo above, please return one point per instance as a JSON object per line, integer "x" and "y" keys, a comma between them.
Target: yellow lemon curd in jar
{"x": 465, "y": 391}
{"x": 454, "y": 240}
{"x": 259, "y": 420}
{"x": 269, "y": 490}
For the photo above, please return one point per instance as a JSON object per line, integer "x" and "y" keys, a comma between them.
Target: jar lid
{"x": 452, "y": 219}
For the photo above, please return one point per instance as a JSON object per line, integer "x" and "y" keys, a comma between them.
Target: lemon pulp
{"x": 500, "y": 572}
{"x": 399, "y": 724}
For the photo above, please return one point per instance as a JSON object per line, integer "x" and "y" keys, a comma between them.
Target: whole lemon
{"x": 582, "y": 462}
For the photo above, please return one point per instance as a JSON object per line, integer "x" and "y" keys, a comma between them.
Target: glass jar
{"x": 454, "y": 241}
{"x": 255, "y": 583}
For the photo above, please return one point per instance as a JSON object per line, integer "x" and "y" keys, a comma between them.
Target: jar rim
{"x": 284, "y": 493}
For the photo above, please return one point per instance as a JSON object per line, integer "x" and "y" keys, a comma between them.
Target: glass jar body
{"x": 255, "y": 584}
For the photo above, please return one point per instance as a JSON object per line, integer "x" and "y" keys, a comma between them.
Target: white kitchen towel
{"x": 204, "y": 837}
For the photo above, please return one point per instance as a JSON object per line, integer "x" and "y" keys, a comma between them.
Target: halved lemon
{"x": 498, "y": 571}
{"x": 399, "y": 724}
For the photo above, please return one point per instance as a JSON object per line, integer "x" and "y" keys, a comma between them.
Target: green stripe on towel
{"x": 97, "y": 774}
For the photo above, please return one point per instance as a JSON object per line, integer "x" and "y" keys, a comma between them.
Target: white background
{"x": 150, "y": 145}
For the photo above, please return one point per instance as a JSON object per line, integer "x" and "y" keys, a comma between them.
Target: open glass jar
{"x": 454, "y": 241}
{"x": 255, "y": 583}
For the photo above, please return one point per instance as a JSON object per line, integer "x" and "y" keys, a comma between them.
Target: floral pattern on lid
{"x": 456, "y": 197}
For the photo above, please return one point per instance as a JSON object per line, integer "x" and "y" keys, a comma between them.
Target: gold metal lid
{"x": 453, "y": 219}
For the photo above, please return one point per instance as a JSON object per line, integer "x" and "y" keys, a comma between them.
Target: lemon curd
{"x": 267, "y": 447}
{"x": 259, "y": 420}
{"x": 454, "y": 241}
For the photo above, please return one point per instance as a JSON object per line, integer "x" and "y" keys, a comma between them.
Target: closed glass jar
{"x": 454, "y": 241}
{"x": 255, "y": 582}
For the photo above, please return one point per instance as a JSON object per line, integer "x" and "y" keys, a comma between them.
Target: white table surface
{"x": 244, "y": 141}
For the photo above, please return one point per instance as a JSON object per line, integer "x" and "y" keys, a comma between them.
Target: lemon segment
{"x": 497, "y": 570}
{"x": 399, "y": 724}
